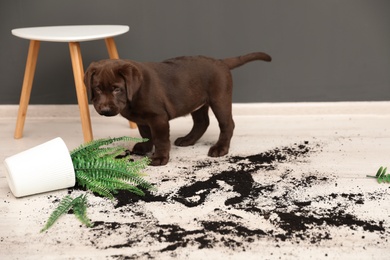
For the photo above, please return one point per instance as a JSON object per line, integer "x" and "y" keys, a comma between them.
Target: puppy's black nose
{"x": 107, "y": 112}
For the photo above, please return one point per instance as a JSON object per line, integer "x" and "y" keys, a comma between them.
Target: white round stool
{"x": 73, "y": 35}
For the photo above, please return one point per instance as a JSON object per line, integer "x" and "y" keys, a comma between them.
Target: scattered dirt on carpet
{"x": 250, "y": 195}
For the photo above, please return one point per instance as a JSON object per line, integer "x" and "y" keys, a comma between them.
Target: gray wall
{"x": 333, "y": 50}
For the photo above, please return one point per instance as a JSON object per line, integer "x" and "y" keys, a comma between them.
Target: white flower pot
{"x": 43, "y": 168}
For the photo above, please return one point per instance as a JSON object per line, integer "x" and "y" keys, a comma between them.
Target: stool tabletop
{"x": 71, "y": 33}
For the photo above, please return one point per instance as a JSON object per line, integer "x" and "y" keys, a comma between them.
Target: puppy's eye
{"x": 117, "y": 90}
{"x": 97, "y": 90}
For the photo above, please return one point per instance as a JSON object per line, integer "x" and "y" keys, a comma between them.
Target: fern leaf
{"x": 379, "y": 172}
{"x": 107, "y": 162}
{"x": 79, "y": 206}
{"x": 116, "y": 174}
{"x": 80, "y": 210}
{"x": 105, "y": 182}
{"x": 98, "y": 153}
{"x": 381, "y": 175}
{"x": 114, "y": 185}
{"x": 96, "y": 187}
{"x": 61, "y": 209}
{"x": 111, "y": 152}
{"x": 104, "y": 141}
{"x": 114, "y": 169}
{"x": 93, "y": 185}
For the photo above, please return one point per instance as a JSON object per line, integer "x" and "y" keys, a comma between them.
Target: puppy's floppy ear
{"x": 88, "y": 78}
{"x": 133, "y": 78}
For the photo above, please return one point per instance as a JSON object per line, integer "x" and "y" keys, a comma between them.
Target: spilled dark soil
{"x": 276, "y": 208}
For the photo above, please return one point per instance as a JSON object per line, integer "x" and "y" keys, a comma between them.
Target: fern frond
{"x": 110, "y": 152}
{"x": 126, "y": 171}
{"x": 116, "y": 173}
{"x": 93, "y": 185}
{"x": 80, "y": 210}
{"x": 381, "y": 175}
{"x": 99, "y": 153}
{"x": 114, "y": 185}
{"x": 107, "y": 181}
{"x": 102, "y": 142}
{"x": 380, "y": 172}
{"x": 64, "y": 206}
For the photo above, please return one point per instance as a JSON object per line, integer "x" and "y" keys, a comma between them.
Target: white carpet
{"x": 294, "y": 186}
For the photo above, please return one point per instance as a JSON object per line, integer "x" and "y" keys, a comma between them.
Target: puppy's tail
{"x": 235, "y": 62}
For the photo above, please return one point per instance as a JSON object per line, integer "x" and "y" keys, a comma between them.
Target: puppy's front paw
{"x": 159, "y": 160}
{"x": 142, "y": 148}
{"x": 218, "y": 150}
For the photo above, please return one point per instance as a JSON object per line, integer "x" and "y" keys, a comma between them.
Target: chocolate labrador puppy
{"x": 150, "y": 94}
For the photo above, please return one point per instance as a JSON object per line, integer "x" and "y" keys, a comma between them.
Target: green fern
{"x": 79, "y": 206}
{"x": 80, "y": 210}
{"x": 102, "y": 169}
{"x": 381, "y": 175}
{"x": 98, "y": 169}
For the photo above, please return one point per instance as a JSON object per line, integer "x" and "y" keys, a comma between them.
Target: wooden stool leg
{"x": 111, "y": 48}
{"x": 113, "y": 54}
{"x": 82, "y": 97}
{"x": 27, "y": 86}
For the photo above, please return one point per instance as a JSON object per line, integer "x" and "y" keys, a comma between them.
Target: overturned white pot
{"x": 43, "y": 168}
